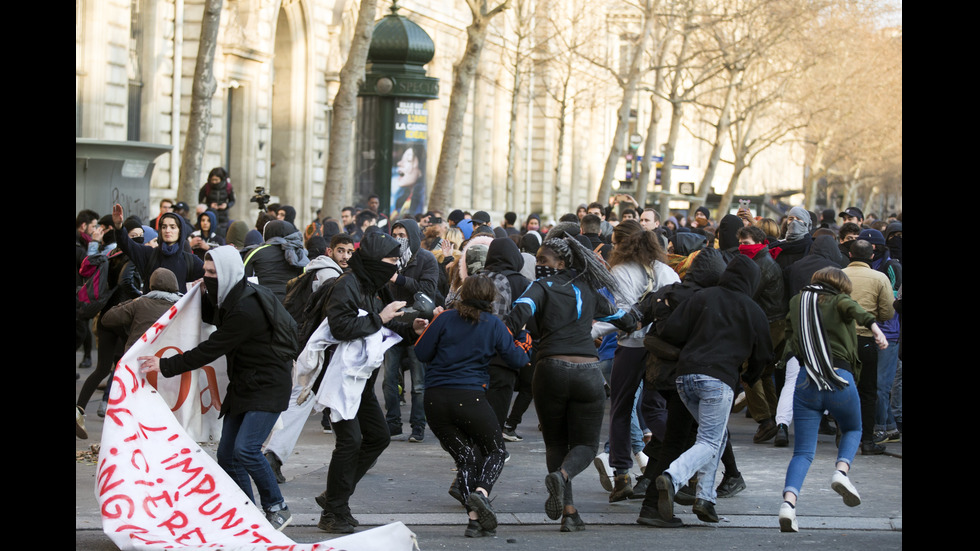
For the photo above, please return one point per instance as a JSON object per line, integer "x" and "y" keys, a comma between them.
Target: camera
{"x": 260, "y": 197}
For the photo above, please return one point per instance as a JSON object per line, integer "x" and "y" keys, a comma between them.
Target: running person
{"x": 567, "y": 386}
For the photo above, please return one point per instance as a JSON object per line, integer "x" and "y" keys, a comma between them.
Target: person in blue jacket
{"x": 457, "y": 347}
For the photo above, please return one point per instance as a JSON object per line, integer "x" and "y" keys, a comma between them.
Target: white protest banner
{"x": 158, "y": 489}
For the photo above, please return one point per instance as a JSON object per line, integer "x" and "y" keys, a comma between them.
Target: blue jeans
{"x": 393, "y": 371}
{"x": 240, "y": 455}
{"x": 808, "y": 405}
{"x": 709, "y": 401}
{"x": 897, "y": 394}
{"x": 887, "y": 364}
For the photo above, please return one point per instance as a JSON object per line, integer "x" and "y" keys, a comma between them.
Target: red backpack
{"x": 94, "y": 293}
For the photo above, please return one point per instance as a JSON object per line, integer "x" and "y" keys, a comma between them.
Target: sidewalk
{"x": 410, "y": 481}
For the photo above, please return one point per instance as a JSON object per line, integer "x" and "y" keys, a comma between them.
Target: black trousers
{"x": 867, "y": 384}
{"x": 467, "y": 428}
{"x": 360, "y": 442}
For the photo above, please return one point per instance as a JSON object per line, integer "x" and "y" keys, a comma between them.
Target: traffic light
{"x": 629, "y": 166}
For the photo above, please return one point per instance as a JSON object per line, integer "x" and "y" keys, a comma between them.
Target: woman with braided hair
{"x": 567, "y": 386}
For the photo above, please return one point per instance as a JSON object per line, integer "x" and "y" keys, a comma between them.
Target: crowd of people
{"x": 677, "y": 322}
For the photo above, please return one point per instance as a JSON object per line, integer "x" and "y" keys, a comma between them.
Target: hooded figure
{"x": 209, "y": 237}
{"x": 893, "y": 239}
{"x": 717, "y": 329}
{"x": 170, "y": 255}
{"x": 418, "y": 269}
{"x": 281, "y": 258}
{"x": 236, "y": 234}
{"x": 361, "y": 440}
{"x": 798, "y": 239}
{"x": 134, "y": 317}
{"x": 259, "y": 374}
{"x": 824, "y": 253}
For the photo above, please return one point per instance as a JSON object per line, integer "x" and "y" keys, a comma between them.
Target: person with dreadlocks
{"x": 821, "y": 334}
{"x": 567, "y": 386}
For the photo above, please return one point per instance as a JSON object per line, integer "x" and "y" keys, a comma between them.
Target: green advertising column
{"x": 393, "y": 122}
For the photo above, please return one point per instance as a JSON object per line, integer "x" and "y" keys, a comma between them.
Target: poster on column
{"x": 408, "y": 159}
{"x": 157, "y": 489}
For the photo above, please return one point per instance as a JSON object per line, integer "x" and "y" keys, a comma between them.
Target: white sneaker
{"x": 605, "y": 471}
{"x": 641, "y": 461}
{"x": 842, "y": 485}
{"x": 787, "y": 518}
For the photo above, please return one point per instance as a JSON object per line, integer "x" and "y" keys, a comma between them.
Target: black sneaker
{"x": 730, "y": 485}
{"x": 705, "y": 510}
{"x": 511, "y": 435}
{"x": 651, "y": 517}
{"x": 394, "y": 430}
{"x": 334, "y": 524}
{"x": 767, "y": 429}
{"x": 687, "y": 494}
{"x": 572, "y": 523}
{"x": 85, "y": 363}
{"x": 640, "y": 490}
{"x": 350, "y": 518}
{"x": 870, "y": 448}
{"x": 325, "y": 423}
{"x": 418, "y": 434}
{"x": 665, "y": 505}
{"x": 456, "y": 492}
{"x": 279, "y": 519}
{"x": 276, "y": 466}
{"x": 480, "y": 504}
{"x": 474, "y": 530}
{"x": 782, "y": 436}
{"x": 826, "y": 428}
{"x": 555, "y": 484}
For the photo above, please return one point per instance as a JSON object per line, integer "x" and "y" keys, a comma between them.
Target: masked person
{"x": 250, "y": 326}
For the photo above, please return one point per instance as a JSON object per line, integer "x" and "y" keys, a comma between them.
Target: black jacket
{"x": 771, "y": 294}
{"x": 720, "y": 327}
{"x": 258, "y": 380}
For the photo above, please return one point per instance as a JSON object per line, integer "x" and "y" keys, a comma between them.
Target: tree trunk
{"x": 623, "y": 114}
{"x": 512, "y": 132}
{"x": 721, "y": 133}
{"x": 463, "y": 71}
{"x": 676, "y": 116}
{"x": 199, "y": 122}
{"x": 649, "y": 147}
{"x": 563, "y": 106}
{"x": 336, "y": 189}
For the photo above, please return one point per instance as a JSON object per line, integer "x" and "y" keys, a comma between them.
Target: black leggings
{"x": 467, "y": 428}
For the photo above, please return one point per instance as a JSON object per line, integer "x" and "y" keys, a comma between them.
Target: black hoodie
{"x": 421, "y": 274}
{"x": 720, "y": 327}
{"x": 823, "y": 253}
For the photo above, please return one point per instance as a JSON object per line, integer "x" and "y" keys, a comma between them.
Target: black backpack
{"x": 284, "y": 343}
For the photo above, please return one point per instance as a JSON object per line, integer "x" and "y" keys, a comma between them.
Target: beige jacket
{"x": 872, "y": 291}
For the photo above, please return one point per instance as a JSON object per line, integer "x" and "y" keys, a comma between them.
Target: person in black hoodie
{"x": 172, "y": 253}
{"x": 418, "y": 272}
{"x": 716, "y": 330}
{"x": 503, "y": 267}
{"x": 361, "y": 440}
{"x": 281, "y": 258}
{"x": 656, "y": 308}
{"x": 259, "y": 373}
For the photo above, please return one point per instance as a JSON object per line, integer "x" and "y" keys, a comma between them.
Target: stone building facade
{"x": 277, "y": 68}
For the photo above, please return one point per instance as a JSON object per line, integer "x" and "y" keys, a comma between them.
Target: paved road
{"x": 409, "y": 484}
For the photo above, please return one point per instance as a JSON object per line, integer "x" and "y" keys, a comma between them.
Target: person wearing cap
{"x": 852, "y": 214}
{"x": 455, "y": 217}
{"x": 480, "y": 218}
{"x": 873, "y": 291}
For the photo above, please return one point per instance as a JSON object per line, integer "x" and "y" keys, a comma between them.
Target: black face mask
{"x": 211, "y": 290}
{"x": 541, "y": 271}
{"x": 138, "y": 240}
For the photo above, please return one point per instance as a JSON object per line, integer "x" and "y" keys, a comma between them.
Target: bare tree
{"x": 463, "y": 71}
{"x": 335, "y": 189}
{"x": 628, "y": 82}
{"x": 203, "y": 88}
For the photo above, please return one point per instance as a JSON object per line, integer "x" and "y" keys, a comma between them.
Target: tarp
{"x": 156, "y": 487}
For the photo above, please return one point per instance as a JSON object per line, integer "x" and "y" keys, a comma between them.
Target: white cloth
{"x": 784, "y": 408}
{"x": 633, "y": 281}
